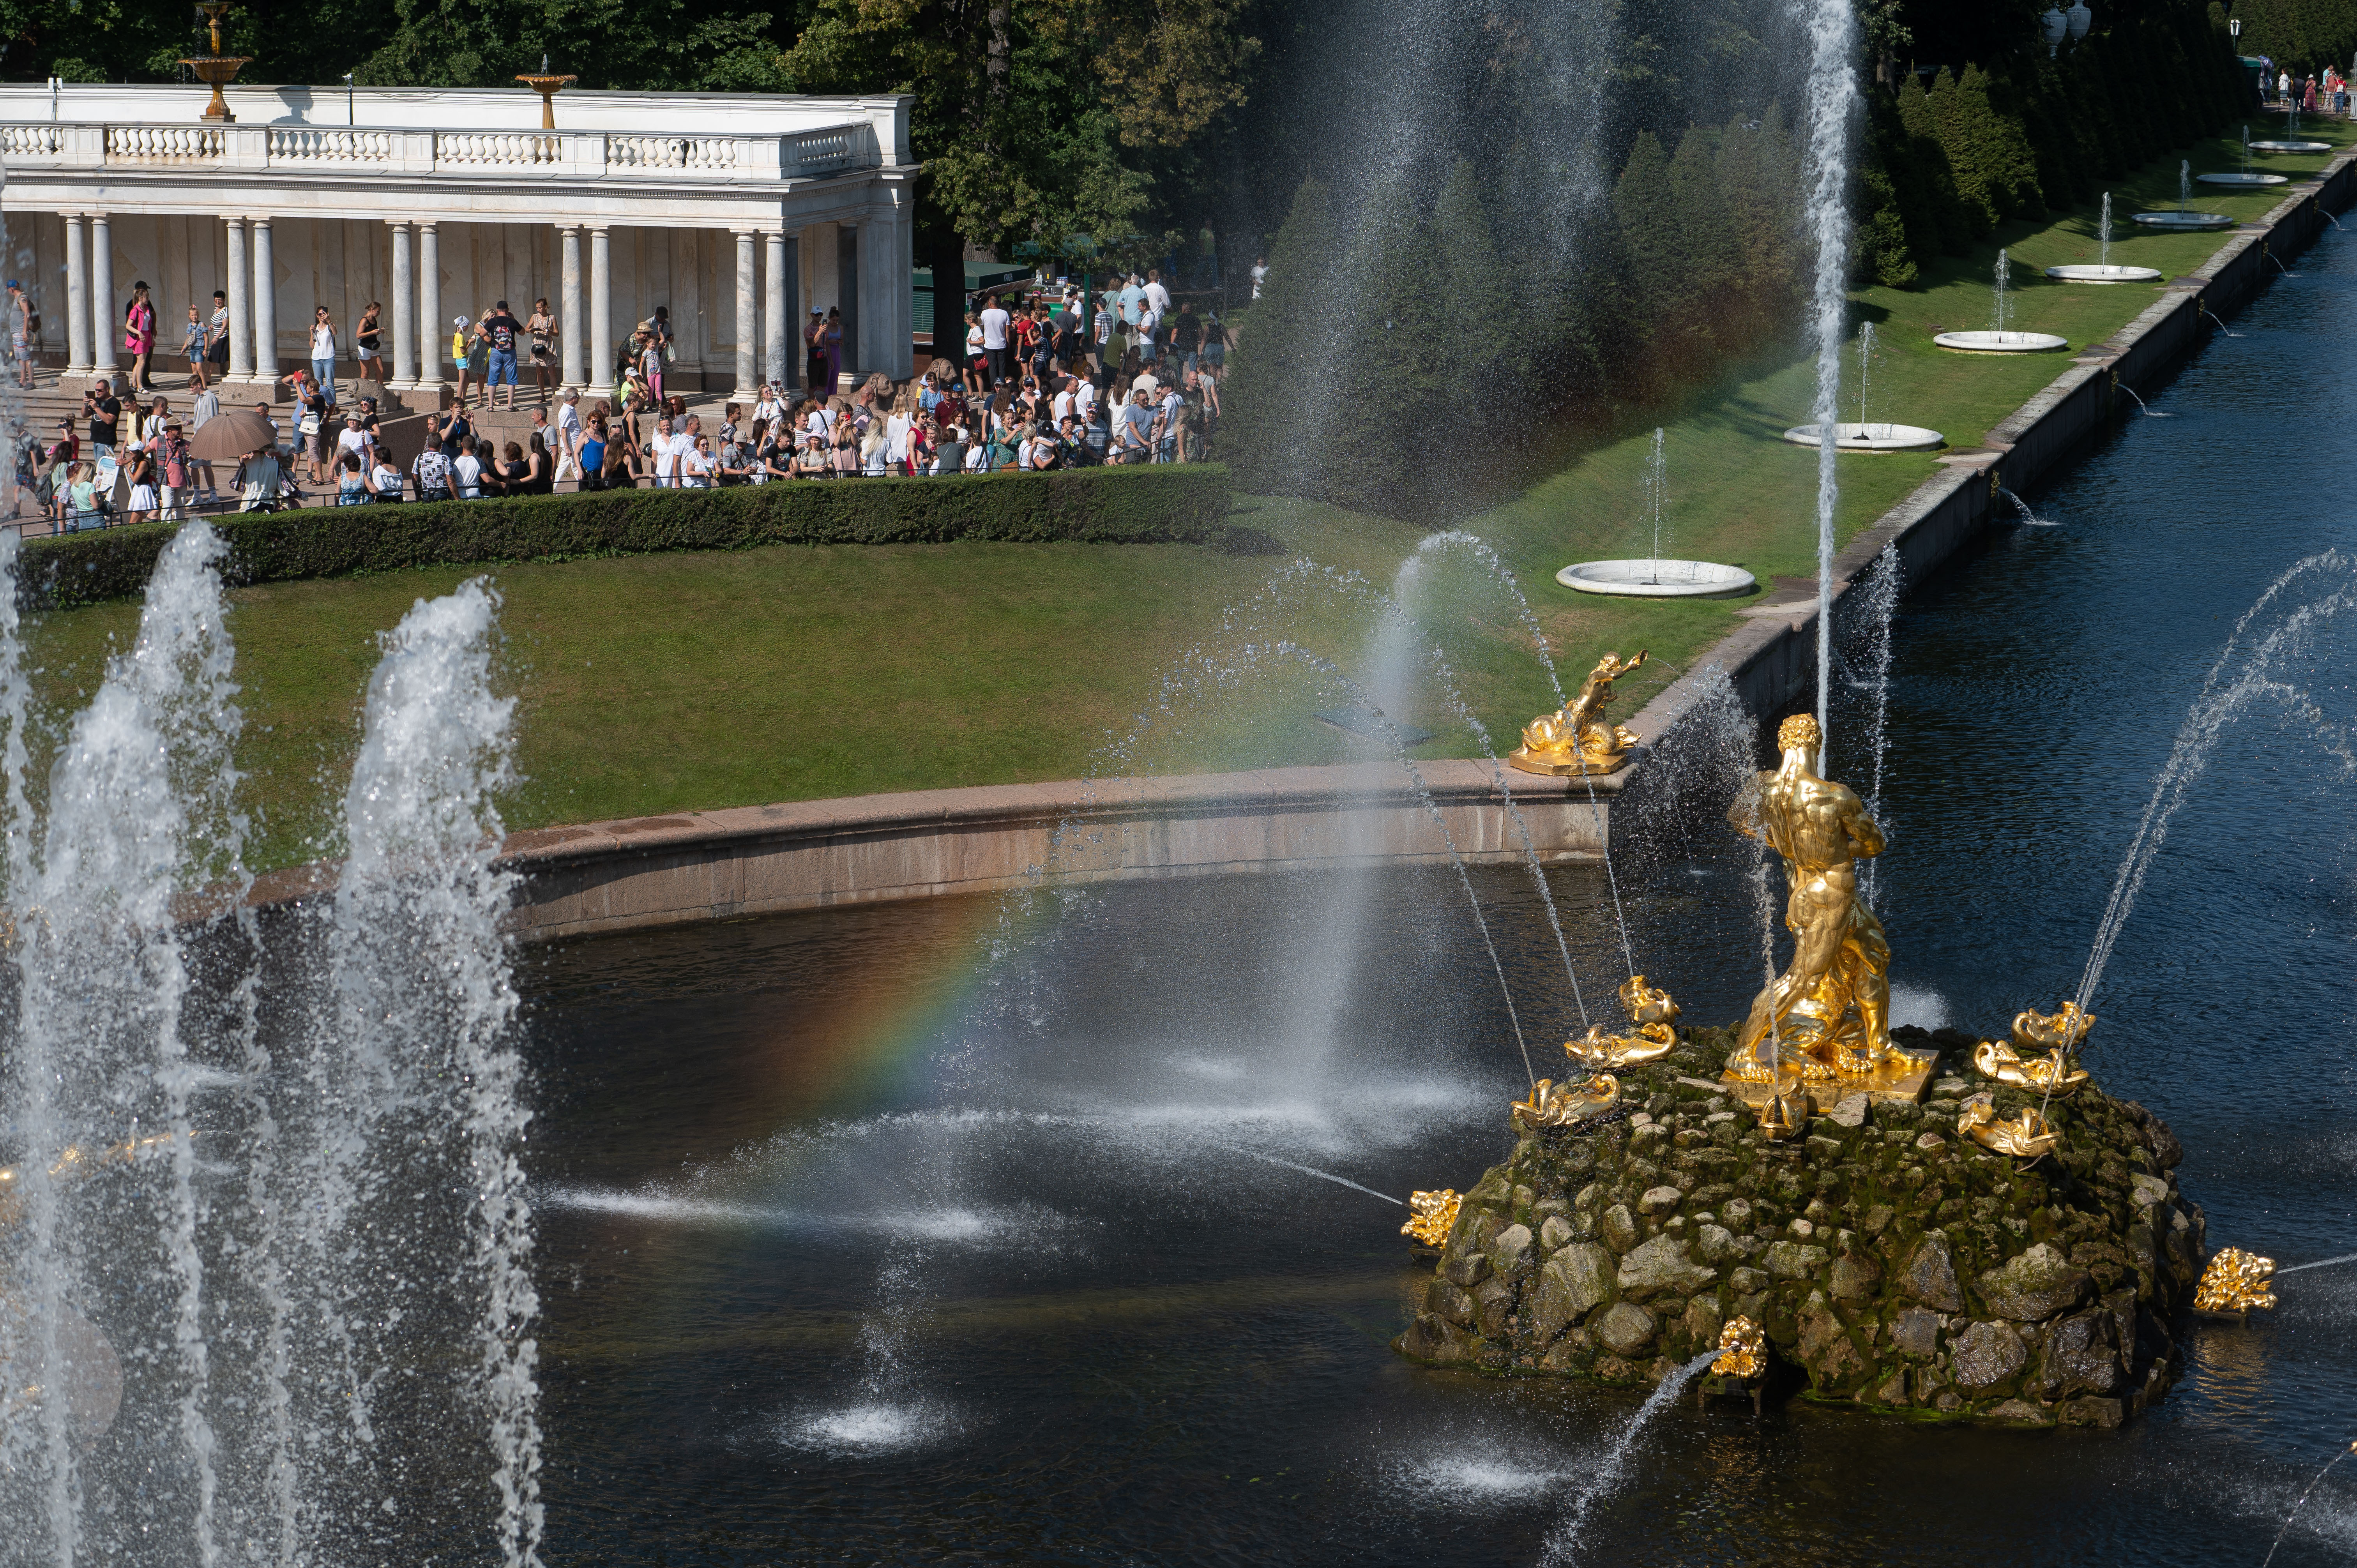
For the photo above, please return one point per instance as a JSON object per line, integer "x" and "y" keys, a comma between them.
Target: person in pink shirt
{"x": 139, "y": 336}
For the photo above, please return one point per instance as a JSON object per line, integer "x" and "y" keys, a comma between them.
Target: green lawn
{"x": 663, "y": 683}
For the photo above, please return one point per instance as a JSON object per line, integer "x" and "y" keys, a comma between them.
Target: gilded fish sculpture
{"x": 2051, "y": 1074}
{"x": 1431, "y": 1216}
{"x": 1742, "y": 1350}
{"x": 1553, "y": 1104}
{"x": 1577, "y": 737}
{"x": 2237, "y": 1282}
{"x": 2026, "y": 1137}
{"x": 1654, "y": 1037}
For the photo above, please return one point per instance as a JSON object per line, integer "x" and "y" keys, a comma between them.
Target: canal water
{"x": 970, "y": 1232}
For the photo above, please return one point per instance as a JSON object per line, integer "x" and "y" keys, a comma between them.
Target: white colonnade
{"x": 755, "y": 320}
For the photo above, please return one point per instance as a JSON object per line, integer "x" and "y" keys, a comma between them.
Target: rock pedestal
{"x": 1898, "y": 1267}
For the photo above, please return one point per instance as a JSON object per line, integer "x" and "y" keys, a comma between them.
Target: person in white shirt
{"x": 765, "y": 405}
{"x": 1259, "y": 275}
{"x": 1155, "y": 294}
{"x": 569, "y": 436}
{"x": 1084, "y": 401}
{"x": 1149, "y": 321}
{"x": 259, "y": 476}
{"x": 994, "y": 323}
{"x": 896, "y": 440}
{"x": 353, "y": 440}
{"x": 466, "y": 472}
{"x": 1149, "y": 383}
{"x": 1060, "y": 407}
{"x": 820, "y": 425}
{"x": 696, "y": 465}
{"x": 977, "y": 457}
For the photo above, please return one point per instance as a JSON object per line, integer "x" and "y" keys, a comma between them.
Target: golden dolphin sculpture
{"x": 2053, "y": 1073}
{"x": 1554, "y": 1104}
{"x": 2061, "y": 1030}
{"x": 1655, "y": 1038}
{"x": 2026, "y": 1137}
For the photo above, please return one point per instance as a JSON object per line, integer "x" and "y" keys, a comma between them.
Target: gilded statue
{"x": 74, "y": 1162}
{"x": 1577, "y": 737}
{"x": 1742, "y": 1350}
{"x": 1785, "y": 1112}
{"x": 2026, "y": 1137}
{"x": 1655, "y": 1038}
{"x": 1553, "y": 1104}
{"x": 2060, "y": 1031}
{"x": 1431, "y": 1216}
{"x": 1827, "y": 1016}
{"x": 2051, "y": 1074}
{"x": 2235, "y": 1281}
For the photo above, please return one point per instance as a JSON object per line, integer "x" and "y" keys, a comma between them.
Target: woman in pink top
{"x": 139, "y": 336}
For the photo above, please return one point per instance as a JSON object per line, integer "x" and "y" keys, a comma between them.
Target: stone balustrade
{"x": 507, "y": 153}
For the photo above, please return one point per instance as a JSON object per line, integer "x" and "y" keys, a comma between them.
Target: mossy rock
{"x": 1898, "y": 1267}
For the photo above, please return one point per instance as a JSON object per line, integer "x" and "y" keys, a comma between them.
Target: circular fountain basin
{"x": 2237, "y": 177}
{"x": 2088, "y": 273}
{"x": 2184, "y": 220}
{"x": 2291, "y": 146}
{"x": 2001, "y": 342}
{"x": 1651, "y": 579}
{"x": 1876, "y": 436}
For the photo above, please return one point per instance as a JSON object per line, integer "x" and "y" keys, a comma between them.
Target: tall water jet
{"x": 1865, "y": 369}
{"x": 420, "y": 880}
{"x": 1654, "y": 494}
{"x": 1879, "y": 604}
{"x": 1832, "y": 26}
{"x": 2182, "y": 215}
{"x": 1998, "y": 340}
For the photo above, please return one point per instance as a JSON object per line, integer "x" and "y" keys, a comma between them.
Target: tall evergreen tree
{"x": 1477, "y": 304}
{"x": 1651, "y": 248}
{"x": 1270, "y": 431}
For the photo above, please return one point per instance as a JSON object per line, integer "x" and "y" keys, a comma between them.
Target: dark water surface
{"x": 936, "y": 1233}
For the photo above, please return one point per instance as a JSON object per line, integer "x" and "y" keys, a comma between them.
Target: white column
{"x": 429, "y": 308}
{"x": 77, "y": 298}
{"x": 601, "y": 314}
{"x": 239, "y": 286}
{"x": 265, "y": 305}
{"x": 405, "y": 314}
{"x": 747, "y": 292}
{"x": 777, "y": 311}
{"x": 568, "y": 309}
{"x": 105, "y": 321}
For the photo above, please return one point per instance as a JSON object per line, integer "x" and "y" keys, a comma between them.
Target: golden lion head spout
{"x": 1431, "y": 1216}
{"x": 1647, "y": 1004}
{"x": 1742, "y": 1350}
{"x": 2235, "y": 1281}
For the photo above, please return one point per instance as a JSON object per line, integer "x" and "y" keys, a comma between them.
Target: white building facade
{"x": 739, "y": 213}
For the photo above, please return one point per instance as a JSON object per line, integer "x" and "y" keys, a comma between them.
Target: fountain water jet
{"x": 1831, "y": 27}
{"x": 1654, "y": 577}
{"x": 2183, "y": 216}
{"x": 1998, "y": 340}
{"x": 1563, "y": 1541}
{"x": 2102, "y": 272}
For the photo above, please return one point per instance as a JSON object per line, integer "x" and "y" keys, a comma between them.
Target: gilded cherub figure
{"x": 1577, "y": 737}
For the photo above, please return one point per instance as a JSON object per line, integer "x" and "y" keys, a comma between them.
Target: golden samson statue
{"x": 1577, "y": 737}
{"x": 1827, "y": 1016}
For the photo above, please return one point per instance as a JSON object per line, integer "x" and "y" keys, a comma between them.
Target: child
{"x": 193, "y": 344}
{"x": 458, "y": 351}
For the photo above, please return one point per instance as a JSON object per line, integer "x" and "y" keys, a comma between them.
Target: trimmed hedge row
{"x": 1159, "y": 504}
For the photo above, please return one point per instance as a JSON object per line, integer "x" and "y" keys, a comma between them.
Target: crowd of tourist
{"x": 2311, "y": 93}
{"x": 1060, "y": 381}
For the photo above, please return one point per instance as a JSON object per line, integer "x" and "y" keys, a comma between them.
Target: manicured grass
{"x": 665, "y": 682}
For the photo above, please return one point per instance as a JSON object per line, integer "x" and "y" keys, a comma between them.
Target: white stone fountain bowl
{"x": 1875, "y": 436}
{"x": 2184, "y": 221}
{"x": 2291, "y": 146}
{"x": 2001, "y": 342}
{"x": 1662, "y": 579}
{"x": 2084, "y": 272}
{"x": 2237, "y": 177}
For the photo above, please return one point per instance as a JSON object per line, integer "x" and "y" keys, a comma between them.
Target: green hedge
{"x": 1158, "y": 504}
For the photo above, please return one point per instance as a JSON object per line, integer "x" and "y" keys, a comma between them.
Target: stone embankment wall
{"x": 1899, "y": 1266}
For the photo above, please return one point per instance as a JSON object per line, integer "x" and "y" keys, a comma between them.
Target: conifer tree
{"x": 1712, "y": 303}
{"x": 1930, "y": 157}
{"x": 1286, "y": 336}
{"x": 1649, "y": 239}
{"x": 1478, "y": 307}
{"x": 1958, "y": 138}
